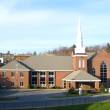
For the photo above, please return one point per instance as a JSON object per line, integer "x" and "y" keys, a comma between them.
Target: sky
{"x": 42, "y": 25}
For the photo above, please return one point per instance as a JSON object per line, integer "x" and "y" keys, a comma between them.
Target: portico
{"x": 81, "y": 78}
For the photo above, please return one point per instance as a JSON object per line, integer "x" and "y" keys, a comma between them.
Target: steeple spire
{"x": 79, "y": 40}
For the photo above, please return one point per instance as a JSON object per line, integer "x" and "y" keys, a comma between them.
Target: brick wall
{"x": 16, "y": 79}
{"x": 60, "y": 76}
{"x": 100, "y": 57}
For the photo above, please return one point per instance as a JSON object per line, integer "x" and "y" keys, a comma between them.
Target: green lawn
{"x": 95, "y": 106}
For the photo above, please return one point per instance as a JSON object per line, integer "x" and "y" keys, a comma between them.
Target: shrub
{"x": 38, "y": 87}
{"x": 31, "y": 87}
{"x": 56, "y": 87}
{"x": 72, "y": 91}
{"x": 102, "y": 88}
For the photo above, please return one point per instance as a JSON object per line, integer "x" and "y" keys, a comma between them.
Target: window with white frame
{"x": 64, "y": 84}
{"x": 51, "y": 74}
{"x": 83, "y": 63}
{"x": 3, "y": 74}
{"x": 79, "y": 63}
{"x": 21, "y": 84}
{"x": 12, "y": 74}
{"x": 103, "y": 72}
{"x": 12, "y": 83}
{"x": 51, "y": 79}
{"x": 21, "y": 74}
{"x": 34, "y": 79}
{"x": 42, "y": 79}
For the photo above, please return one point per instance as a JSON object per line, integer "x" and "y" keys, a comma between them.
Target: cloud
{"x": 37, "y": 28}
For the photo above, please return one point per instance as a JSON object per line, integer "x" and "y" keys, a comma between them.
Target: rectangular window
{"x": 64, "y": 84}
{"x": 34, "y": 78}
{"x": 21, "y": 84}
{"x": 51, "y": 79}
{"x": 79, "y": 63}
{"x": 42, "y": 79}
{"x": 42, "y": 74}
{"x": 83, "y": 65}
{"x": 34, "y": 74}
{"x": 21, "y": 74}
{"x": 12, "y": 84}
{"x": 12, "y": 74}
{"x": 3, "y": 74}
{"x": 51, "y": 74}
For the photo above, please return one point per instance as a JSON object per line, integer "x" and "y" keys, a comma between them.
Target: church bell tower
{"x": 79, "y": 56}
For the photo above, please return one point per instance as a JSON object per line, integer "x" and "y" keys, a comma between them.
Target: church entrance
{"x": 85, "y": 85}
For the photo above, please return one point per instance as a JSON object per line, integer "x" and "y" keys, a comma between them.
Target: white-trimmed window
{"x": 21, "y": 74}
{"x": 34, "y": 79}
{"x": 12, "y": 84}
{"x": 79, "y": 63}
{"x": 21, "y": 84}
{"x": 42, "y": 74}
{"x": 12, "y": 74}
{"x": 3, "y": 74}
{"x": 42, "y": 79}
{"x": 51, "y": 79}
{"x": 64, "y": 84}
{"x": 103, "y": 72}
{"x": 83, "y": 63}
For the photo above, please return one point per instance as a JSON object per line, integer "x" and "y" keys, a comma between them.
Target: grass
{"x": 8, "y": 99}
{"x": 95, "y": 106}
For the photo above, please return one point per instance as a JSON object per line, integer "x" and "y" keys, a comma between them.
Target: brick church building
{"x": 47, "y": 71}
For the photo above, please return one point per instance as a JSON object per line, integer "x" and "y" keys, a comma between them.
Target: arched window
{"x": 103, "y": 72}
{"x": 93, "y": 71}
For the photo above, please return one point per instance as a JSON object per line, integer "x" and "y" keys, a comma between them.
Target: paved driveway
{"x": 38, "y": 99}
{"x": 32, "y": 95}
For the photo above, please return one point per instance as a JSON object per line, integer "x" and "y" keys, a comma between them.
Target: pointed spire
{"x": 79, "y": 40}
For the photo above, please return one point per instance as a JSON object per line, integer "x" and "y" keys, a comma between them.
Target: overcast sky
{"x": 41, "y": 25}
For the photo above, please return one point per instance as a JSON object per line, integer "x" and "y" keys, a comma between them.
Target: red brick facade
{"x": 98, "y": 59}
{"x": 83, "y": 62}
{"x": 14, "y": 81}
{"x": 25, "y": 81}
{"x": 59, "y": 76}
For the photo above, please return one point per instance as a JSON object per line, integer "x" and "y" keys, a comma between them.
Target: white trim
{"x": 34, "y": 70}
{"x": 82, "y": 80}
{"x": 51, "y": 70}
{"x": 83, "y": 63}
{"x": 14, "y": 70}
{"x": 80, "y": 63}
{"x": 79, "y": 55}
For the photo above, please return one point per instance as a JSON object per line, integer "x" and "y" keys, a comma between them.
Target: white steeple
{"x": 79, "y": 40}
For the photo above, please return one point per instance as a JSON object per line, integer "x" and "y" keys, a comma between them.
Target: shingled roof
{"x": 81, "y": 75}
{"x": 15, "y": 65}
{"x": 46, "y": 62}
{"x": 42, "y": 63}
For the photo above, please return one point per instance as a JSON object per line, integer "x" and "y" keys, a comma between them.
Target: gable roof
{"x": 15, "y": 65}
{"x": 82, "y": 76}
{"x": 49, "y": 62}
{"x": 103, "y": 54}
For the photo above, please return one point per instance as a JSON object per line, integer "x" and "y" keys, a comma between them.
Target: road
{"x": 42, "y": 100}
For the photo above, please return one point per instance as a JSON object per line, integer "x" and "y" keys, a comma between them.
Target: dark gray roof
{"x": 14, "y": 65}
{"x": 46, "y": 62}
